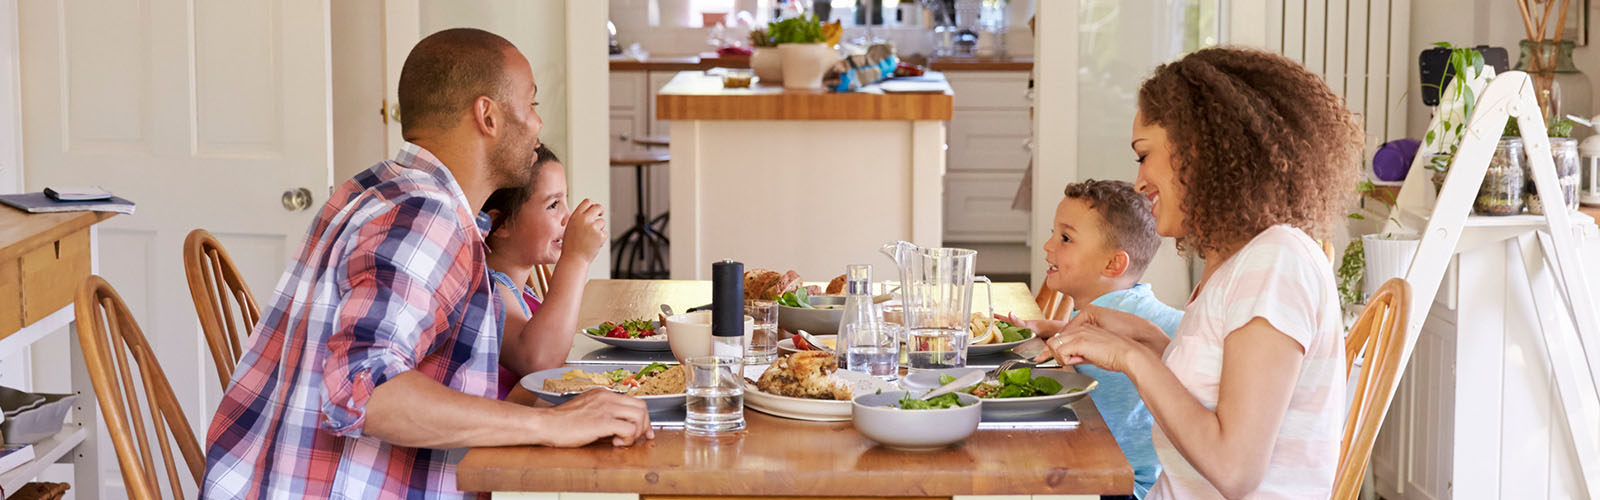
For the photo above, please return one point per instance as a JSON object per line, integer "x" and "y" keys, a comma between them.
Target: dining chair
{"x": 539, "y": 281}
{"x": 217, "y": 290}
{"x": 1053, "y": 304}
{"x": 1379, "y": 335}
{"x": 109, "y": 337}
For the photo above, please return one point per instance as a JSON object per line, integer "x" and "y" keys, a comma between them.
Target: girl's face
{"x": 1157, "y": 180}
{"x": 542, "y": 220}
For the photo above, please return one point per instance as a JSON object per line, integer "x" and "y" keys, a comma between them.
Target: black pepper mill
{"x": 727, "y": 309}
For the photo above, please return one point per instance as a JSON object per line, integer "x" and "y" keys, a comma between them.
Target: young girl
{"x": 1247, "y": 157}
{"x": 531, "y": 226}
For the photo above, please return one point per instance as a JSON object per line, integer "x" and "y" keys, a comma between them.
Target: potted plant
{"x": 1444, "y": 137}
{"x": 805, "y": 56}
{"x": 764, "y": 58}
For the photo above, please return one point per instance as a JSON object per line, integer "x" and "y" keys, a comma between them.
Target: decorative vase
{"x": 1388, "y": 256}
{"x": 1562, "y": 89}
{"x": 805, "y": 63}
{"x": 768, "y": 64}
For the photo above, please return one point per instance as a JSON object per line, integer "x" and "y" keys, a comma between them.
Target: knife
{"x": 1030, "y": 349}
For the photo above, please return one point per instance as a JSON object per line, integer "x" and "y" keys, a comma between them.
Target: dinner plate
{"x": 988, "y": 349}
{"x": 534, "y": 382}
{"x": 925, "y": 380}
{"x": 655, "y": 343}
{"x": 817, "y": 410}
{"x": 787, "y": 345}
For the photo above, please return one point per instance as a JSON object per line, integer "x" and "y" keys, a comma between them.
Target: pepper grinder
{"x": 727, "y": 309}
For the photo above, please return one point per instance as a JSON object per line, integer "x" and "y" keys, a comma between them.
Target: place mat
{"x": 670, "y": 419}
{"x": 1060, "y": 418}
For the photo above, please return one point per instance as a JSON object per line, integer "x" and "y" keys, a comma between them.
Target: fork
{"x": 993, "y": 376}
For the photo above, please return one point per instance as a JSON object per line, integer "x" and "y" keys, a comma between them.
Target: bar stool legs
{"x": 642, "y": 243}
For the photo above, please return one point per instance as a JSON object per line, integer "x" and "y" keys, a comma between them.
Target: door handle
{"x": 296, "y": 199}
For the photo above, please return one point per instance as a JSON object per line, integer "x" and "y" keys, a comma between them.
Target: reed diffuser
{"x": 1562, "y": 90}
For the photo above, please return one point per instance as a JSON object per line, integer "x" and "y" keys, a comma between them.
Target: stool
{"x": 650, "y": 141}
{"x": 642, "y": 242}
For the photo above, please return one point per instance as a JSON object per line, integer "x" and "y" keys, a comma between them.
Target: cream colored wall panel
{"x": 989, "y": 89}
{"x": 628, "y": 90}
{"x": 102, "y": 118}
{"x": 238, "y": 107}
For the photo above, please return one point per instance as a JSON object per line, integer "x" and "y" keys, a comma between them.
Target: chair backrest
{"x": 1053, "y": 304}
{"x": 218, "y": 290}
{"x": 539, "y": 281}
{"x": 109, "y": 336}
{"x": 1379, "y": 335}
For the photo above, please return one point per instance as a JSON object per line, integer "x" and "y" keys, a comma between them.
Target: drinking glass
{"x": 873, "y": 348}
{"x": 715, "y": 396}
{"x": 762, "y": 348}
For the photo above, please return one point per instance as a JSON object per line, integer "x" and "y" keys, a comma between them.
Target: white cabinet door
{"x": 977, "y": 208}
{"x": 203, "y": 113}
{"x": 989, "y": 140}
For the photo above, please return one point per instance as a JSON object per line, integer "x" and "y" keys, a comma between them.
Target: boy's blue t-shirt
{"x": 1117, "y": 400}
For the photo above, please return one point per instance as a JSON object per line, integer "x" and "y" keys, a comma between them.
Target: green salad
{"x": 908, "y": 402}
{"x": 1010, "y": 332}
{"x": 798, "y": 298}
{"x": 1014, "y": 383}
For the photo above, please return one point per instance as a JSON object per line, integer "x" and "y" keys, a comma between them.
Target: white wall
{"x": 10, "y": 101}
{"x": 358, "y": 128}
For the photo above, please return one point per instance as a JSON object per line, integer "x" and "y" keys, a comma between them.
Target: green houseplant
{"x": 764, "y": 58}
{"x": 804, "y": 55}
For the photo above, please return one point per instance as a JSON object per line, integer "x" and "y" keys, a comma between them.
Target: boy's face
{"x": 1078, "y": 250}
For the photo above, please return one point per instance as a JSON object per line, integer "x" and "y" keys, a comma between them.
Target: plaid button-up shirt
{"x": 391, "y": 278}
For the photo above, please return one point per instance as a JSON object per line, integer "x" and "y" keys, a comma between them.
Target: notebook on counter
{"x": 39, "y": 203}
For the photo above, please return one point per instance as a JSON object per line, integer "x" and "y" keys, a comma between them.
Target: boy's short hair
{"x": 1125, "y": 216}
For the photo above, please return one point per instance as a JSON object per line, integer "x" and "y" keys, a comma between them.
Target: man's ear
{"x": 1117, "y": 266}
{"x": 483, "y": 115}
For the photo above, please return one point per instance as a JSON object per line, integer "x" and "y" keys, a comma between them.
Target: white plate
{"x": 925, "y": 380}
{"x": 988, "y": 349}
{"x": 787, "y": 345}
{"x": 817, "y": 410}
{"x": 534, "y": 382}
{"x": 655, "y": 343}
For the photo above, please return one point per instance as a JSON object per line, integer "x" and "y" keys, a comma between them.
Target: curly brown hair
{"x": 1124, "y": 216}
{"x": 1257, "y": 141}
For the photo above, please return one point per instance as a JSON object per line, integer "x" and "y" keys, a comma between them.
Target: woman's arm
{"x": 1231, "y": 445}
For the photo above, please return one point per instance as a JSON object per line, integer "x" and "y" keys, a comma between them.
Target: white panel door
{"x": 204, "y": 114}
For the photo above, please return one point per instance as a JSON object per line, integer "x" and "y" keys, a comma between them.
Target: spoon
{"x": 959, "y": 383}
{"x": 814, "y": 342}
{"x": 666, "y": 309}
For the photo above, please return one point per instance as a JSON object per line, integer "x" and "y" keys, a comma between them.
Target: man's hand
{"x": 596, "y": 415}
{"x": 586, "y": 231}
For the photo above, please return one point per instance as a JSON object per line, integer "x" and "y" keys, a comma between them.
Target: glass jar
{"x": 1561, "y": 88}
{"x": 1503, "y": 182}
{"x": 1564, "y": 153}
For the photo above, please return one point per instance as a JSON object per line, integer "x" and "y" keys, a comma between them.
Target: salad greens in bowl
{"x": 900, "y": 420}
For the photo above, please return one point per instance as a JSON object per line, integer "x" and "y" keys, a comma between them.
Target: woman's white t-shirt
{"x": 1281, "y": 276}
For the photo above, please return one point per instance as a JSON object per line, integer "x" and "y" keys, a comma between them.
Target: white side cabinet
{"x": 988, "y": 152}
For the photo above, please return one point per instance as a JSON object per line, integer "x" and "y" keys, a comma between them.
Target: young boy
{"x": 1103, "y": 239}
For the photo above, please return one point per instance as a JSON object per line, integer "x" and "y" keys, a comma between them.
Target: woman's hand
{"x": 1091, "y": 344}
{"x": 1127, "y": 325}
{"x": 586, "y": 231}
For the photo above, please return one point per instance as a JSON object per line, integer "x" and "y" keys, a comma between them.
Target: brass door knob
{"x": 297, "y": 199}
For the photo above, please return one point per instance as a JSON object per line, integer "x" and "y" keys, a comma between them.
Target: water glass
{"x": 873, "y": 349}
{"x": 715, "y": 396}
{"x": 936, "y": 348}
{"x": 762, "y": 346}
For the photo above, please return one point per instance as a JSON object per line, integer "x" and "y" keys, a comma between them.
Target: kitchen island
{"x": 810, "y": 181}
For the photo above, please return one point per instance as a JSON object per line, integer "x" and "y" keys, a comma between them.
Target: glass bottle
{"x": 860, "y": 323}
{"x": 1501, "y": 191}
{"x": 1562, "y": 89}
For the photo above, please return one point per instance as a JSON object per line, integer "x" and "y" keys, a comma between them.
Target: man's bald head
{"x": 446, "y": 72}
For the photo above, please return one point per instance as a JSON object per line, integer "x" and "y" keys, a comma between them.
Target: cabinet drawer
{"x": 977, "y": 208}
{"x": 628, "y": 90}
{"x": 989, "y": 89}
{"x": 989, "y": 140}
{"x": 51, "y": 274}
{"x": 10, "y": 297}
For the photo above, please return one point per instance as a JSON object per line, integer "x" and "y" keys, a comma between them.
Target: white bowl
{"x": 689, "y": 334}
{"x": 816, "y": 321}
{"x": 878, "y": 417}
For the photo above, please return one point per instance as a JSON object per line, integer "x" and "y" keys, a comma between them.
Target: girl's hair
{"x": 509, "y": 200}
{"x": 1257, "y": 141}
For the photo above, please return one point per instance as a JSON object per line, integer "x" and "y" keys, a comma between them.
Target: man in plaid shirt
{"x": 375, "y": 366}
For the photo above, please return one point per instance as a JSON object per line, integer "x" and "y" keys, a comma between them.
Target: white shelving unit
{"x": 46, "y": 453}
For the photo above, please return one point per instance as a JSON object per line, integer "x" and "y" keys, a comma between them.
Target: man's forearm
{"x": 416, "y": 411}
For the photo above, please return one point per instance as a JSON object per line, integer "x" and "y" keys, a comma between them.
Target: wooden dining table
{"x": 778, "y": 457}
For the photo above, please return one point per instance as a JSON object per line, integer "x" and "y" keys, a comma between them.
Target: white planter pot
{"x": 1386, "y": 258}
{"x": 805, "y": 63}
{"x": 768, "y": 65}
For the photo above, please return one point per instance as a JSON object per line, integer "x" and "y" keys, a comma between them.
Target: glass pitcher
{"x": 936, "y": 295}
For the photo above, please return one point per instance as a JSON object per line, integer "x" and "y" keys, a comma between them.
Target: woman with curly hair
{"x": 1247, "y": 158}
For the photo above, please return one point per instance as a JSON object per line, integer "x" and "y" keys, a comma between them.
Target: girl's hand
{"x": 586, "y": 231}
{"x": 1090, "y": 344}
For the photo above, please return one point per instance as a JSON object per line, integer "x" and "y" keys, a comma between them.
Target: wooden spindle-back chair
{"x": 110, "y": 338}
{"x": 1379, "y": 337}
{"x": 219, "y": 291}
